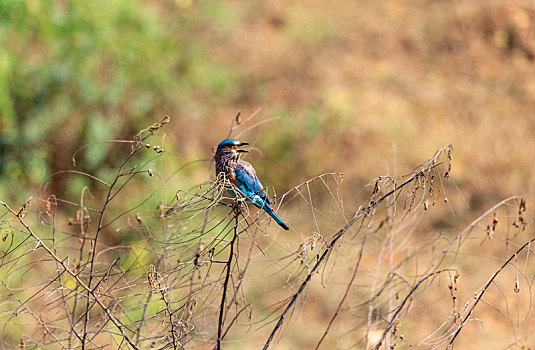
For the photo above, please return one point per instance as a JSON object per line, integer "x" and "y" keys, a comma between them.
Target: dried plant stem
{"x": 37, "y": 318}
{"x": 40, "y": 243}
{"x": 95, "y": 241}
{"x": 345, "y": 295}
{"x": 171, "y": 322}
{"x": 356, "y": 216}
{"x": 435, "y": 261}
{"x": 489, "y": 282}
{"x": 225, "y": 284}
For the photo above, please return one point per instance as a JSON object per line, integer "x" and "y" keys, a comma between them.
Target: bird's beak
{"x": 242, "y": 150}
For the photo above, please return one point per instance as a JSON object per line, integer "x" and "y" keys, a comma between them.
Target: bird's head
{"x": 231, "y": 146}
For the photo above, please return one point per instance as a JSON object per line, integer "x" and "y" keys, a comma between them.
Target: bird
{"x": 242, "y": 175}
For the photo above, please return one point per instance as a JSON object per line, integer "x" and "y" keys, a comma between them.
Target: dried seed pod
{"x": 521, "y": 207}
{"x": 161, "y": 209}
{"x": 151, "y": 274}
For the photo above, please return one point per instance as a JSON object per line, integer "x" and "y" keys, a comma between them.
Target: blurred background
{"x": 366, "y": 88}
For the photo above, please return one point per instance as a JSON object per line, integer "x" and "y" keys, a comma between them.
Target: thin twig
{"x": 489, "y": 282}
{"x": 95, "y": 241}
{"x": 225, "y": 284}
{"x": 41, "y": 244}
{"x": 439, "y": 256}
{"x": 345, "y": 295}
{"x": 357, "y": 215}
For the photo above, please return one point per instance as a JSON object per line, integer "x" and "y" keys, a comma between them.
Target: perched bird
{"x": 243, "y": 176}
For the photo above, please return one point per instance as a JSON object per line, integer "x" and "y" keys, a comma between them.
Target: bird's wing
{"x": 246, "y": 175}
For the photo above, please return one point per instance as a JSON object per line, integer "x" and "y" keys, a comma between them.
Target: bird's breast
{"x": 226, "y": 165}
{"x": 232, "y": 177}
{"x": 229, "y": 174}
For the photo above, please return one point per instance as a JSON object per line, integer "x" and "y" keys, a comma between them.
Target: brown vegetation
{"x": 142, "y": 248}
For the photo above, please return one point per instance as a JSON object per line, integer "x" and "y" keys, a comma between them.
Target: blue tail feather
{"x": 279, "y": 220}
{"x": 267, "y": 208}
{"x": 260, "y": 203}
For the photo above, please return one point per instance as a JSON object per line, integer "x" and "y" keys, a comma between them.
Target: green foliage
{"x": 84, "y": 71}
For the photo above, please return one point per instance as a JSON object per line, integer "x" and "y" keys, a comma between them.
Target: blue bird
{"x": 243, "y": 176}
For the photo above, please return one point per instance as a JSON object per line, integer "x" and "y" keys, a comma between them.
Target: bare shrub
{"x": 201, "y": 269}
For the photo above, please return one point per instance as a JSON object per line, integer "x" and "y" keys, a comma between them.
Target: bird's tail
{"x": 274, "y": 215}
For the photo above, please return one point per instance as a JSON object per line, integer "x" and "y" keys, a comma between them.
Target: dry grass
{"x": 202, "y": 271}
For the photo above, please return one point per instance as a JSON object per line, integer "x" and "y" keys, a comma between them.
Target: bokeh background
{"x": 359, "y": 87}
{"x": 366, "y": 88}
